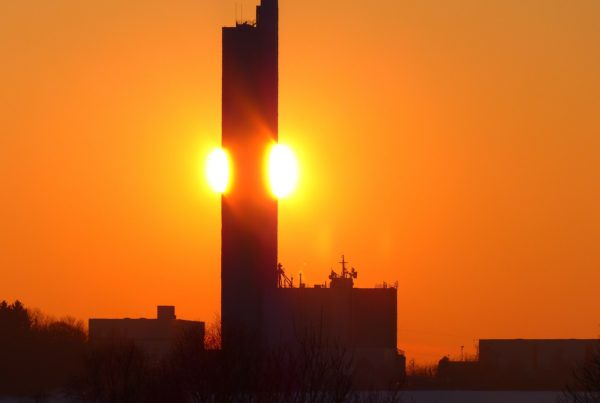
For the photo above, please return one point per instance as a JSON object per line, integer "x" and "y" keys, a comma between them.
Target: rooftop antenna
{"x": 343, "y": 263}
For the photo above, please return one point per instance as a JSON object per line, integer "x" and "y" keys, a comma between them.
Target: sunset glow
{"x": 218, "y": 170}
{"x": 451, "y": 146}
{"x": 283, "y": 171}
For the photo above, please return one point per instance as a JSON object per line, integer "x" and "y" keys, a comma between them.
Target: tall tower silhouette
{"x": 249, "y": 211}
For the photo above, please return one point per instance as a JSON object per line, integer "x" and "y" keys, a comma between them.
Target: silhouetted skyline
{"x": 452, "y": 148}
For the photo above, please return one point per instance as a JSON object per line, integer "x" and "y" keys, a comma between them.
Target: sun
{"x": 283, "y": 171}
{"x": 218, "y": 170}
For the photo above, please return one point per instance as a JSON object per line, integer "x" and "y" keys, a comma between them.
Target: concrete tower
{"x": 249, "y": 211}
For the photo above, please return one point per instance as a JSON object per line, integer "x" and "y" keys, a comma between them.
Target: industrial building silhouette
{"x": 539, "y": 364}
{"x": 261, "y": 307}
{"x": 153, "y": 336}
{"x": 258, "y": 302}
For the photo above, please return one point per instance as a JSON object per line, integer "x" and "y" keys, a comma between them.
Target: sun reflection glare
{"x": 283, "y": 171}
{"x": 218, "y": 170}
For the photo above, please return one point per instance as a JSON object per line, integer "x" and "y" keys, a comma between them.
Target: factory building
{"x": 534, "y": 362}
{"x": 519, "y": 364}
{"x": 155, "y": 337}
{"x": 361, "y": 321}
{"x": 260, "y": 307}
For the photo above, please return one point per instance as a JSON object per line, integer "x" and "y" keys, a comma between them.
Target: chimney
{"x": 165, "y": 312}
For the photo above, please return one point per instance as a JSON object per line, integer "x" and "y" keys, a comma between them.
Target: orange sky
{"x": 452, "y": 146}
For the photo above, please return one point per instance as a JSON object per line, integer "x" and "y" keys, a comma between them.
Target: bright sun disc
{"x": 283, "y": 171}
{"x": 217, "y": 170}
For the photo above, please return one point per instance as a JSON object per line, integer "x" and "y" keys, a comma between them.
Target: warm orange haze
{"x": 450, "y": 146}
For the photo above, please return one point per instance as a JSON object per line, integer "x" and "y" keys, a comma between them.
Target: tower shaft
{"x": 249, "y": 211}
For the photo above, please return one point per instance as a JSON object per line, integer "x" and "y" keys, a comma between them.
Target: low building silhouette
{"x": 156, "y": 337}
{"x": 519, "y": 364}
{"x": 361, "y": 321}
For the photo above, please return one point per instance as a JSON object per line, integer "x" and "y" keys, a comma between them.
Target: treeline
{"x": 42, "y": 357}
{"x": 315, "y": 372}
{"x": 38, "y": 354}
{"x": 585, "y": 386}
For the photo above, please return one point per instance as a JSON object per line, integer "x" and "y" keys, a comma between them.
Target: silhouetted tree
{"x": 585, "y": 387}
{"x": 422, "y": 376}
{"x": 314, "y": 370}
{"x": 115, "y": 371}
{"x": 42, "y": 356}
{"x": 38, "y": 354}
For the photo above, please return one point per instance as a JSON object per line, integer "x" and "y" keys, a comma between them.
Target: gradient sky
{"x": 452, "y": 146}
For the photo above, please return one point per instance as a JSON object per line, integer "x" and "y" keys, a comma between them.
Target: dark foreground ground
{"x": 423, "y": 396}
{"x": 452, "y": 396}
